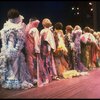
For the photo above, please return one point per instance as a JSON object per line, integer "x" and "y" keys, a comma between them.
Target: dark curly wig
{"x": 58, "y": 26}
{"x": 12, "y": 13}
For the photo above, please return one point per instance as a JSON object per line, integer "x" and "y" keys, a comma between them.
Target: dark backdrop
{"x": 55, "y": 10}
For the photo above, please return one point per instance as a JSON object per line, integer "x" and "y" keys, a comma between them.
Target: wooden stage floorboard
{"x": 81, "y": 87}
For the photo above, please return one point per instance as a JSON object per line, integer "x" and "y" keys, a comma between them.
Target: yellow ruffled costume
{"x": 70, "y": 74}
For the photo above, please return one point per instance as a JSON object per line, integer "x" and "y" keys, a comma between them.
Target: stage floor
{"x": 77, "y": 87}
